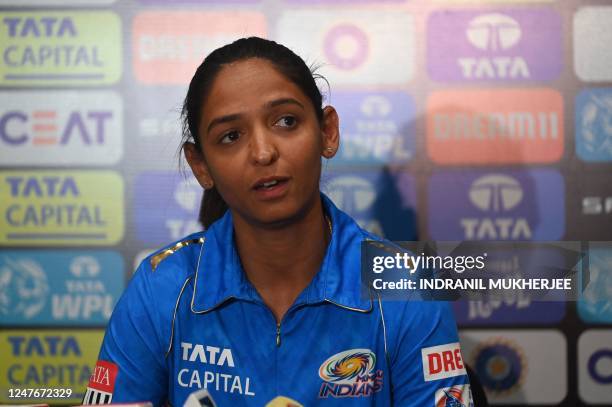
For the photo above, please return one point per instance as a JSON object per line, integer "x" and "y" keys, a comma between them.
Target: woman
{"x": 266, "y": 303}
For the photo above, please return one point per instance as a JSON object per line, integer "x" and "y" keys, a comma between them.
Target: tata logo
{"x": 47, "y": 26}
{"x": 495, "y": 46}
{"x": 24, "y": 288}
{"x": 188, "y": 196}
{"x": 44, "y": 345}
{"x": 346, "y": 46}
{"x": 207, "y": 354}
{"x": 514, "y": 205}
{"x": 66, "y": 127}
{"x": 352, "y": 194}
{"x": 494, "y": 32}
{"x": 496, "y": 194}
{"x": 355, "y": 195}
{"x": 594, "y": 124}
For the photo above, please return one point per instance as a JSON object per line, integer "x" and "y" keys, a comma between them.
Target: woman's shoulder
{"x": 169, "y": 268}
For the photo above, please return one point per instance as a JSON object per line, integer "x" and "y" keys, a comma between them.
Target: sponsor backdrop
{"x": 460, "y": 120}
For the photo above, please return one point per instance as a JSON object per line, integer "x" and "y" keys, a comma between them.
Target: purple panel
{"x": 504, "y": 45}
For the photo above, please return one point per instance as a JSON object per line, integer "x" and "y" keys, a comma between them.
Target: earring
{"x": 329, "y": 151}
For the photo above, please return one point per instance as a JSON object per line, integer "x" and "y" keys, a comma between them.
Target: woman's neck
{"x": 280, "y": 262}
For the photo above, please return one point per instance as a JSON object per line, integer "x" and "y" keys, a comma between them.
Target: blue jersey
{"x": 191, "y": 320}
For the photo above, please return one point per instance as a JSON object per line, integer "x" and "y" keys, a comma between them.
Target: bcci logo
{"x": 350, "y": 374}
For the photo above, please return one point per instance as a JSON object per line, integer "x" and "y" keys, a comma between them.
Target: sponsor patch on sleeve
{"x": 101, "y": 384}
{"x": 458, "y": 396}
{"x": 442, "y": 361}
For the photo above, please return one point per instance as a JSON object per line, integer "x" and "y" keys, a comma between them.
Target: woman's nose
{"x": 263, "y": 149}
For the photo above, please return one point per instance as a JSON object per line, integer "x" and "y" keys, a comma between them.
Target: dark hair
{"x": 282, "y": 58}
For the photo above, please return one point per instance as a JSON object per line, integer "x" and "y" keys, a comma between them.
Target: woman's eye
{"x": 286, "y": 121}
{"x": 229, "y": 137}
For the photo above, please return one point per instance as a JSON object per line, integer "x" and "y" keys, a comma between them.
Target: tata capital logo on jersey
{"x": 350, "y": 374}
{"x": 497, "y": 206}
{"x": 66, "y": 127}
{"x": 594, "y": 124}
{"x": 205, "y": 375}
{"x": 495, "y": 126}
{"x": 508, "y": 45}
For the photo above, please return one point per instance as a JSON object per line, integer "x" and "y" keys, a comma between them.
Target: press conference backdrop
{"x": 460, "y": 120}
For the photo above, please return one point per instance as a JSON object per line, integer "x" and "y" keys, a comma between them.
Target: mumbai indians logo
{"x": 350, "y": 374}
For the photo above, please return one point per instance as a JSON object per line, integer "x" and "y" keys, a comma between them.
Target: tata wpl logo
{"x": 49, "y": 128}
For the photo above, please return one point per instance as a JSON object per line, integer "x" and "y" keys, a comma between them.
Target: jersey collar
{"x": 220, "y": 277}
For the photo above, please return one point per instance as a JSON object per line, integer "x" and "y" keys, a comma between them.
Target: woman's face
{"x": 262, "y": 143}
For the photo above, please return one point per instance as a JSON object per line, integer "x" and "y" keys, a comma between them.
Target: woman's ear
{"x": 198, "y": 166}
{"x": 330, "y": 131}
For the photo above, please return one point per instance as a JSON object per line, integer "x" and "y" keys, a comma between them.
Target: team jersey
{"x": 190, "y": 320}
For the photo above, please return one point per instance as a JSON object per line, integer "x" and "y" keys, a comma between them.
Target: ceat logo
{"x": 101, "y": 383}
{"x": 442, "y": 362}
{"x": 455, "y": 396}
